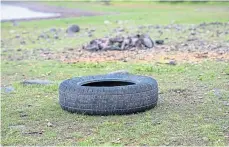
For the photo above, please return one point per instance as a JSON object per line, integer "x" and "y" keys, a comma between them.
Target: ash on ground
{"x": 143, "y": 41}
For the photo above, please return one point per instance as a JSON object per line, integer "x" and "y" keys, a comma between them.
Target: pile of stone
{"x": 122, "y": 43}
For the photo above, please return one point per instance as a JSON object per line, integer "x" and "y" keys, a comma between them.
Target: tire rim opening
{"x": 108, "y": 83}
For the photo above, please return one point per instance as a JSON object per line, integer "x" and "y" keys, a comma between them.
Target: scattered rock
{"x": 119, "y": 30}
{"x": 225, "y": 103}
{"x": 159, "y": 42}
{"x": 117, "y": 39}
{"x": 53, "y": 30}
{"x": 17, "y": 36}
{"x": 135, "y": 41}
{"x": 34, "y": 132}
{"x": 172, "y": 62}
{"x": 56, "y": 36}
{"x": 19, "y": 50}
{"x": 217, "y": 93}
{"x": 147, "y": 41}
{"x": 116, "y": 141}
{"x": 193, "y": 33}
{"x": 43, "y": 36}
{"x": 141, "y": 27}
{"x": 192, "y": 39}
{"x": 21, "y": 127}
{"x": 90, "y": 34}
{"x": 23, "y": 115}
{"x": 115, "y": 46}
{"x": 49, "y": 124}
{"x": 92, "y": 47}
{"x": 37, "y": 82}
{"x": 73, "y": 29}
{"x": 22, "y": 42}
{"x": 8, "y": 89}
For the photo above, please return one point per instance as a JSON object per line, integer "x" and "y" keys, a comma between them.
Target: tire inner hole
{"x": 108, "y": 83}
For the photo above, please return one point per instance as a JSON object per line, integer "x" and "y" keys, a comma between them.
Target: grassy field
{"x": 190, "y": 112}
{"x": 193, "y": 107}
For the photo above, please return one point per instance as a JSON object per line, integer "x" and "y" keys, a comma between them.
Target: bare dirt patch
{"x": 157, "y": 54}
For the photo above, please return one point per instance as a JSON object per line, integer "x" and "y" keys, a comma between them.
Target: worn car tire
{"x": 128, "y": 94}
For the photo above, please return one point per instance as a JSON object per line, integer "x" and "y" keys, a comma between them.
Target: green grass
{"x": 195, "y": 116}
{"x": 139, "y": 13}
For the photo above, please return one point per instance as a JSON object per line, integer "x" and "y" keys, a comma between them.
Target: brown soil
{"x": 157, "y": 54}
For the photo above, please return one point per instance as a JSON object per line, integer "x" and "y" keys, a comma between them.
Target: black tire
{"x": 76, "y": 96}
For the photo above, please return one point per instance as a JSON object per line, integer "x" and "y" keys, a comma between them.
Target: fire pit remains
{"x": 122, "y": 43}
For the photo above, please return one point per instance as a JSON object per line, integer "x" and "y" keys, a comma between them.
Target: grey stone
{"x": 23, "y": 115}
{"x": 56, "y": 36}
{"x": 172, "y": 62}
{"x": 147, "y": 41}
{"x": 134, "y": 41}
{"x": 43, "y": 35}
{"x": 160, "y": 32}
{"x": 217, "y": 93}
{"x": 104, "y": 44}
{"x": 53, "y": 30}
{"x": 7, "y": 89}
{"x": 159, "y": 42}
{"x": 157, "y": 27}
{"x": 116, "y": 39}
{"x": 141, "y": 27}
{"x": 120, "y": 30}
{"x": 21, "y": 127}
{"x": 114, "y": 47}
{"x": 90, "y": 34}
{"x": 225, "y": 103}
{"x": 37, "y": 82}
{"x": 73, "y": 29}
{"x": 22, "y": 42}
{"x": 125, "y": 43}
{"x": 193, "y": 33}
{"x": 17, "y": 36}
{"x": 92, "y": 47}
{"x": 49, "y": 124}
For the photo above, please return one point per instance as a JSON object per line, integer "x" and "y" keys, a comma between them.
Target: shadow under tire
{"x": 108, "y": 94}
